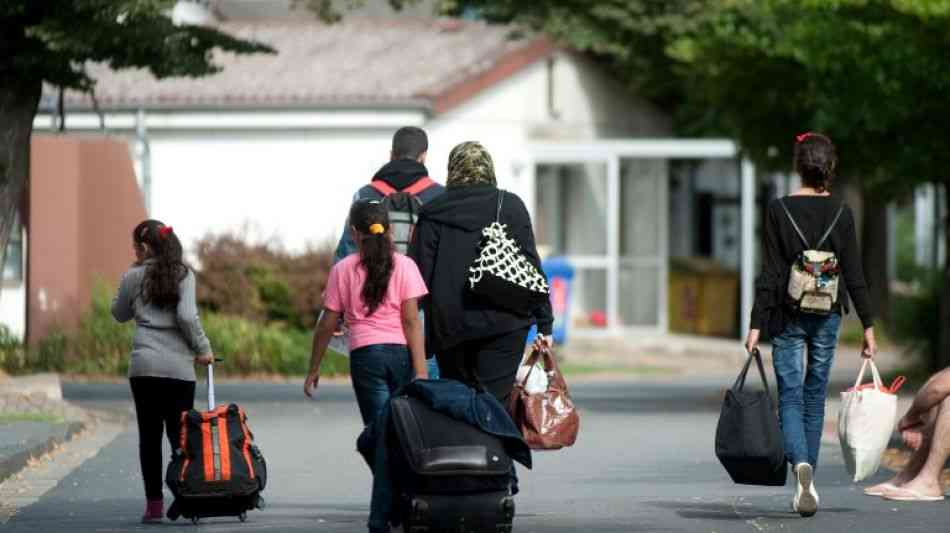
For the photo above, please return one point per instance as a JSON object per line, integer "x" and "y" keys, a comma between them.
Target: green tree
{"x": 873, "y": 74}
{"x": 52, "y": 41}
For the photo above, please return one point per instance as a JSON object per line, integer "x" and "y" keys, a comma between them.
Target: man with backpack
{"x": 403, "y": 184}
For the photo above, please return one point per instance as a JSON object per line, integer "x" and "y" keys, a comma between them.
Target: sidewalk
{"x": 34, "y": 420}
{"x": 690, "y": 356}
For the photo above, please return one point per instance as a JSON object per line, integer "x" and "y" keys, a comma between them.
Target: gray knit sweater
{"x": 166, "y": 341}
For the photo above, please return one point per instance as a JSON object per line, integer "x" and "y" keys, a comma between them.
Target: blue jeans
{"x": 377, "y": 371}
{"x": 801, "y": 393}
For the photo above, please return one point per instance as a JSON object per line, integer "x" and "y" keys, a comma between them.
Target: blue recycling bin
{"x": 560, "y": 278}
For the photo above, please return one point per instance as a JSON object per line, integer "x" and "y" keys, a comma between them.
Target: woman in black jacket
{"x": 464, "y": 331}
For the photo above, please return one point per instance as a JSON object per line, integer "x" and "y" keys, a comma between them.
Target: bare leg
{"x": 927, "y": 481}
{"x": 917, "y": 459}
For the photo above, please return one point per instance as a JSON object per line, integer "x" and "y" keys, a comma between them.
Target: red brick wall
{"x": 84, "y": 202}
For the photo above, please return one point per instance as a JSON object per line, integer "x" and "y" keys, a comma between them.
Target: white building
{"x": 280, "y": 143}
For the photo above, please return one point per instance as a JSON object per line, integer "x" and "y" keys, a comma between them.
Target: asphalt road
{"x": 644, "y": 462}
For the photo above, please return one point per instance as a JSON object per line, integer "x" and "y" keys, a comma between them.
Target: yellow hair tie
{"x": 377, "y": 229}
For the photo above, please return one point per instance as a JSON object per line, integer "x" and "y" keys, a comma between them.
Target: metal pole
{"x": 613, "y": 243}
{"x": 145, "y": 158}
{"x": 748, "y": 245}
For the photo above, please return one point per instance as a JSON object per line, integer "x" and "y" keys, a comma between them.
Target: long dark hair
{"x": 371, "y": 221}
{"x": 815, "y": 160}
{"x": 165, "y": 268}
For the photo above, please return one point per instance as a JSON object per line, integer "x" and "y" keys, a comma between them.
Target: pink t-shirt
{"x": 384, "y": 326}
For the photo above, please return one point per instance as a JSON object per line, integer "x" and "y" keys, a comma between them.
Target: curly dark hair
{"x": 165, "y": 269}
{"x": 815, "y": 160}
{"x": 371, "y": 221}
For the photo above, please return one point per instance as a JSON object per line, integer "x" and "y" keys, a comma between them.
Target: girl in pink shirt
{"x": 376, "y": 291}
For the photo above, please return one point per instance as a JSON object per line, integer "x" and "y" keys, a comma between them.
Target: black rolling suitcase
{"x": 450, "y": 476}
{"x": 218, "y": 471}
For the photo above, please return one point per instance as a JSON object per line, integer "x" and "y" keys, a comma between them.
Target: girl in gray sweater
{"x": 159, "y": 293}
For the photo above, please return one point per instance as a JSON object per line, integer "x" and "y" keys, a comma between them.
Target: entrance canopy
{"x": 606, "y": 206}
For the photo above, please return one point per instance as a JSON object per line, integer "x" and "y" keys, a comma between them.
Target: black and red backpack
{"x": 217, "y": 470}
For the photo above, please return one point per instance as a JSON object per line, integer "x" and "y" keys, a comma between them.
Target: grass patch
{"x": 8, "y": 418}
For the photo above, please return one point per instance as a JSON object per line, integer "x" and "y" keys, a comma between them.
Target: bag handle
{"x": 794, "y": 224}
{"x": 530, "y": 362}
{"x": 501, "y": 199}
{"x": 740, "y": 381}
{"x": 420, "y": 185}
{"x": 876, "y": 376}
{"x": 549, "y": 363}
{"x": 831, "y": 227}
{"x": 382, "y": 187}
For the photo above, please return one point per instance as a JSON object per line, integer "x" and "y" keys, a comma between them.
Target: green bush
{"x": 12, "y": 355}
{"x": 101, "y": 346}
{"x": 915, "y": 317}
{"x": 252, "y": 348}
{"x": 262, "y": 282}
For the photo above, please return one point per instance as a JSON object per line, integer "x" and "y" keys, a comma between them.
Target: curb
{"x": 18, "y": 461}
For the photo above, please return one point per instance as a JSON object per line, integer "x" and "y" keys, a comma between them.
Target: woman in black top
{"x": 464, "y": 331}
{"x": 802, "y": 390}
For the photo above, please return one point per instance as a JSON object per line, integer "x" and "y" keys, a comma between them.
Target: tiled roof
{"x": 361, "y": 61}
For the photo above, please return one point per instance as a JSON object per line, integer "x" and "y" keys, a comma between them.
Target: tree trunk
{"x": 18, "y": 101}
{"x": 874, "y": 237}
{"x": 943, "y": 348}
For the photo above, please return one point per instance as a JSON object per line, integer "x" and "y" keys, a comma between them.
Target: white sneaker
{"x": 806, "y": 497}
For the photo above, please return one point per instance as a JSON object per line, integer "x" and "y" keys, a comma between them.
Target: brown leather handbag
{"x": 547, "y": 420}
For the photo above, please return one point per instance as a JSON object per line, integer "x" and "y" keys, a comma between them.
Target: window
{"x": 13, "y": 267}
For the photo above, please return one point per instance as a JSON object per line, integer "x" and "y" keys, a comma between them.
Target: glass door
{"x": 571, "y": 221}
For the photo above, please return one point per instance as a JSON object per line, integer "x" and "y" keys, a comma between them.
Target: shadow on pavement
{"x": 737, "y": 512}
{"x": 123, "y": 515}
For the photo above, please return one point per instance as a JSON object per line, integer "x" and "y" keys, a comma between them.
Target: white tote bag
{"x": 865, "y": 424}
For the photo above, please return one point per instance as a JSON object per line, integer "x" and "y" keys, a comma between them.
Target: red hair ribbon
{"x": 164, "y": 231}
{"x": 803, "y": 136}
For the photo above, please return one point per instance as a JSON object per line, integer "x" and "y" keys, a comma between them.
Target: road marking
{"x": 44, "y": 473}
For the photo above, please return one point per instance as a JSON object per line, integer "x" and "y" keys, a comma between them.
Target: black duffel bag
{"x": 749, "y": 441}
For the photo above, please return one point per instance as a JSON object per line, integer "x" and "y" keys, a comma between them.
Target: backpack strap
{"x": 501, "y": 199}
{"x": 382, "y": 187}
{"x": 831, "y": 227}
{"x": 420, "y": 185}
{"x": 794, "y": 224}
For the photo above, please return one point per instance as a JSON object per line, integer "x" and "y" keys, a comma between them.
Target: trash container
{"x": 560, "y": 276}
{"x": 704, "y": 297}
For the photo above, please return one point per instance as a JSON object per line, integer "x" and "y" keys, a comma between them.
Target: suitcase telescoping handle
{"x": 211, "y": 386}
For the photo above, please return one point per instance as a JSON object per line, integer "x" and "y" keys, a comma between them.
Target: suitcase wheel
{"x": 243, "y": 516}
{"x": 508, "y": 509}
{"x": 195, "y": 520}
{"x": 420, "y": 510}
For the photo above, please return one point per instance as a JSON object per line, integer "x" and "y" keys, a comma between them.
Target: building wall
{"x": 293, "y": 186}
{"x": 53, "y": 232}
{"x": 84, "y": 202}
